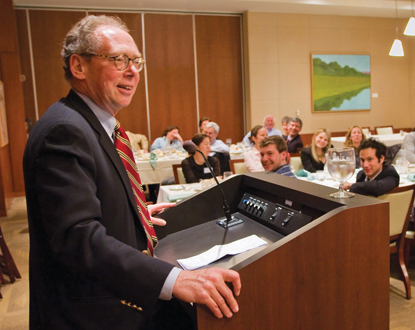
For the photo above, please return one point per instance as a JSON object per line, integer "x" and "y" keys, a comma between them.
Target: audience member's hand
{"x": 155, "y": 209}
{"x": 208, "y": 287}
{"x": 347, "y": 185}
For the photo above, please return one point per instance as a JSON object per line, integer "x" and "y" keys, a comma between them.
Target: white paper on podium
{"x": 219, "y": 251}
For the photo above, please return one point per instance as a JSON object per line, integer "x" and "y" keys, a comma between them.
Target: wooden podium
{"x": 332, "y": 273}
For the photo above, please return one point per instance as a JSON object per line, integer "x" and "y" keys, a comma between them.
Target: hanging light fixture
{"x": 396, "y": 49}
{"x": 410, "y": 27}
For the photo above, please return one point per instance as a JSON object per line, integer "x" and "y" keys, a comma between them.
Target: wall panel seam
{"x": 196, "y": 75}
{"x": 32, "y": 64}
{"x": 145, "y": 77}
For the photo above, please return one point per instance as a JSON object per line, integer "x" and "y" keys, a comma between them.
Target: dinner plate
{"x": 175, "y": 188}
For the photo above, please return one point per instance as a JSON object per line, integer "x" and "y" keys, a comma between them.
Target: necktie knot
{"x": 117, "y": 126}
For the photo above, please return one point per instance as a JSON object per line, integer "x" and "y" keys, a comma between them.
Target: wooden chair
{"x": 366, "y": 130}
{"x": 296, "y": 162}
{"x": 178, "y": 174}
{"x": 381, "y": 130}
{"x": 7, "y": 264}
{"x": 401, "y": 200}
{"x": 237, "y": 166}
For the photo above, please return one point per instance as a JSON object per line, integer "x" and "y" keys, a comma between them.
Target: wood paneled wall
{"x": 171, "y": 73}
{"x": 11, "y": 173}
{"x": 219, "y": 71}
{"x": 194, "y": 69}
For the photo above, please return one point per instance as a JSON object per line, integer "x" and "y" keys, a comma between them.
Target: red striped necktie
{"x": 123, "y": 146}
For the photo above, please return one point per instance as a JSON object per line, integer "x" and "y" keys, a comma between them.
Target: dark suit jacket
{"x": 295, "y": 144}
{"x": 86, "y": 236}
{"x": 309, "y": 163}
{"x": 383, "y": 183}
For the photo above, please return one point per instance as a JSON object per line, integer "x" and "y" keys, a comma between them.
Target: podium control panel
{"x": 273, "y": 215}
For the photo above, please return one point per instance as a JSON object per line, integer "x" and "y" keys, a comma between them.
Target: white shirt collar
{"x": 106, "y": 119}
{"x": 367, "y": 178}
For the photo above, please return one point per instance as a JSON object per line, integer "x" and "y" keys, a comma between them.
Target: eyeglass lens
{"x": 122, "y": 62}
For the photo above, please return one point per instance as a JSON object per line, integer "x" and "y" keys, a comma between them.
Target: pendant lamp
{"x": 410, "y": 27}
{"x": 396, "y": 49}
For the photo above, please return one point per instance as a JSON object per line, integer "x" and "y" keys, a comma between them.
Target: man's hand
{"x": 347, "y": 185}
{"x": 157, "y": 209}
{"x": 208, "y": 287}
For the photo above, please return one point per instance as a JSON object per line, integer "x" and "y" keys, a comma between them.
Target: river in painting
{"x": 353, "y": 100}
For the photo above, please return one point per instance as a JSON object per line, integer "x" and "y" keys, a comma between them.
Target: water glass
{"x": 226, "y": 175}
{"x": 320, "y": 175}
{"x": 341, "y": 165}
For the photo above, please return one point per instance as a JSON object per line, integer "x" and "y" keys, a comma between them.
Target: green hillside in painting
{"x": 332, "y": 79}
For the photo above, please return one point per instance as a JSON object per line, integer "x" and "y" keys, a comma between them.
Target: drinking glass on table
{"x": 341, "y": 165}
{"x": 226, "y": 175}
{"x": 320, "y": 176}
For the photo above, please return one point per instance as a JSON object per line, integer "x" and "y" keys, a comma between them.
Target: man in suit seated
{"x": 293, "y": 139}
{"x": 218, "y": 148}
{"x": 376, "y": 178}
{"x": 274, "y": 156}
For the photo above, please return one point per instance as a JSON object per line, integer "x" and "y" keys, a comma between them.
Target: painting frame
{"x": 340, "y": 82}
{"x": 4, "y": 135}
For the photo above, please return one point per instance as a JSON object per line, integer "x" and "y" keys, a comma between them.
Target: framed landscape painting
{"x": 340, "y": 82}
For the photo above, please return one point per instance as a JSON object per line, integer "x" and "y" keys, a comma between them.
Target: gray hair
{"x": 81, "y": 39}
{"x": 265, "y": 118}
{"x": 297, "y": 120}
{"x": 214, "y": 126}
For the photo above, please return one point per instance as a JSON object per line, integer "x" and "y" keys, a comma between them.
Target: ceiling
{"x": 372, "y": 8}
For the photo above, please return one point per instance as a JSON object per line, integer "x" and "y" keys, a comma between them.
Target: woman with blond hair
{"x": 314, "y": 158}
{"x": 354, "y": 138}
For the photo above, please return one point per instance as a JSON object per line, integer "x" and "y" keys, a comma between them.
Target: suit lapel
{"x": 107, "y": 145}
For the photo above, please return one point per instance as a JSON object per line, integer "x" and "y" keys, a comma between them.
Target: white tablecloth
{"x": 173, "y": 193}
{"x": 162, "y": 171}
{"x": 387, "y": 139}
{"x": 329, "y": 182}
{"x": 239, "y": 155}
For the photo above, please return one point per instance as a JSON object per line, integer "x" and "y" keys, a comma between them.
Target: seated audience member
{"x": 354, "y": 138}
{"x": 274, "y": 156}
{"x": 216, "y": 145}
{"x": 218, "y": 148}
{"x": 376, "y": 178}
{"x": 202, "y": 123}
{"x": 253, "y": 157}
{"x": 269, "y": 123}
{"x": 293, "y": 139}
{"x": 171, "y": 137}
{"x": 138, "y": 141}
{"x": 314, "y": 158}
{"x": 409, "y": 145}
{"x": 194, "y": 167}
{"x": 285, "y": 122}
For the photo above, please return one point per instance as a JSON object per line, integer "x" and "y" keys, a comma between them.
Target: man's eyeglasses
{"x": 122, "y": 61}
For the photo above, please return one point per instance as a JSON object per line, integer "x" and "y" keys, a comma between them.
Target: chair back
{"x": 237, "y": 166}
{"x": 223, "y": 161}
{"x": 401, "y": 200}
{"x": 296, "y": 162}
{"x": 178, "y": 174}
{"x": 366, "y": 130}
{"x": 384, "y": 130}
